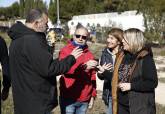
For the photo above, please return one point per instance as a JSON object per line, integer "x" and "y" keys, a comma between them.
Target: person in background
{"x": 135, "y": 76}
{"x": 51, "y": 38}
{"x": 107, "y": 62}
{"x": 78, "y": 85}
{"x": 32, "y": 68}
{"x": 4, "y": 60}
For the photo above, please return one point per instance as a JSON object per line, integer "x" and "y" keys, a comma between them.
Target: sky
{"x": 6, "y": 3}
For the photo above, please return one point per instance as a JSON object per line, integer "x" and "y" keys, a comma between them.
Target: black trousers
{"x": 6, "y": 82}
{"x": 123, "y": 109}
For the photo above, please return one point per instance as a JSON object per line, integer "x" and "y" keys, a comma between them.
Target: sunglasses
{"x": 83, "y": 37}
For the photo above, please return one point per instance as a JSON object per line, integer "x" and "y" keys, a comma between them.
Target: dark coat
{"x": 4, "y": 60}
{"x": 33, "y": 71}
{"x": 143, "y": 81}
{"x": 106, "y": 57}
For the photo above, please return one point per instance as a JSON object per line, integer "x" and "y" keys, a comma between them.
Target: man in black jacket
{"x": 4, "y": 60}
{"x": 33, "y": 70}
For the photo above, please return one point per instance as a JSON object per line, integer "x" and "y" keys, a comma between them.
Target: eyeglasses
{"x": 82, "y": 36}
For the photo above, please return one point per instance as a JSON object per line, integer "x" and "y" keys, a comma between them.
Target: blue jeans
{"x": 69, "y": 106}
{"x": 109, "y": 109}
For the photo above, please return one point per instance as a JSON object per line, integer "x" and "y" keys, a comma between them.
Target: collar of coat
{"x": 71, "y": 46}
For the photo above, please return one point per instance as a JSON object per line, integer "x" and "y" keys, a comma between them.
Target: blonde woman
{"x": 135, "y": 77}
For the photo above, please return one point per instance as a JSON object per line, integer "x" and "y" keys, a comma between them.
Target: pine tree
{"x": 21, "y": 8}
{"x": 52, "y": 11}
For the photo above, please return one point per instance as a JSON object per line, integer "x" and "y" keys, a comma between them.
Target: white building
{"x": 124, "y": 20}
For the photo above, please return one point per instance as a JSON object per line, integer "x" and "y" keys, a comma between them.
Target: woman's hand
{"x": 125, "y": 86}
{"x": 108, "y": 66}
{"x": 104, "y": 67}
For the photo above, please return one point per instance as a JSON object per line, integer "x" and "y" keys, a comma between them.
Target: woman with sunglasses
{"x": 107, "y": 61}
{"x": 78, "y": 86}
{"x": 135, "y": 77}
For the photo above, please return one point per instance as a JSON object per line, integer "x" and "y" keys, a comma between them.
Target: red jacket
{"x": 78, "y": 84}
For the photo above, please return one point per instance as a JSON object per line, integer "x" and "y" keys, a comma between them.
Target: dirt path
{"x": 160, "y": 93}
{"x": 160, "y": 90}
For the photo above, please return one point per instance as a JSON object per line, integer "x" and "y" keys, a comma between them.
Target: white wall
{"x": 125, "y": 20}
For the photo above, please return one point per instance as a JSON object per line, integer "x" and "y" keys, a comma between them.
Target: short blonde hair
{"x": 135, "y": 39}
